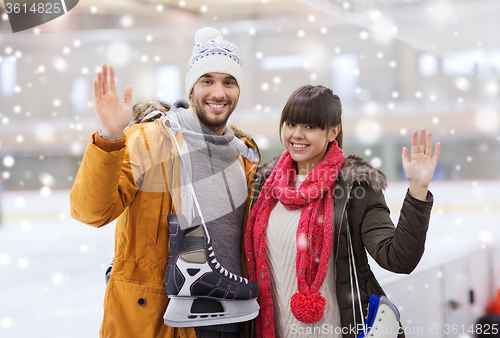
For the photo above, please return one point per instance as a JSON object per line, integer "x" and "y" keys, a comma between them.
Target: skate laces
{"x": 218, "y": 266}
{"x": 221, "y": 269}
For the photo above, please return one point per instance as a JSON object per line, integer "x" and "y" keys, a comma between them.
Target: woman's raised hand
{"x": 111, "y": 113}
{"x": 420, "y": 167}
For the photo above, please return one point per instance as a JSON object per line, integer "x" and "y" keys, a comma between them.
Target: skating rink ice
{"x": 52, "y": 267}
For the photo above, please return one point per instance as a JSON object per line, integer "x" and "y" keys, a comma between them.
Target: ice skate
{"x": 193, "y": 272}
{"x": 382, "y": 320}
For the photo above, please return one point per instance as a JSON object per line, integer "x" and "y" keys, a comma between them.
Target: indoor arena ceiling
{"x": 435, "y": 25}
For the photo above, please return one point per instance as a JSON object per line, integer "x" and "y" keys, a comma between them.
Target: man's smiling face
{"x": 214, "y": 98}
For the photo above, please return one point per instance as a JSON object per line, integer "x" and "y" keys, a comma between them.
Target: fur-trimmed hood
{"x": 355, "y": 169}
{"x": 238, "y": 132}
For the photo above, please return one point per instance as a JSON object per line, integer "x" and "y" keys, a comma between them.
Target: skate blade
{"x": 178, "y": 313}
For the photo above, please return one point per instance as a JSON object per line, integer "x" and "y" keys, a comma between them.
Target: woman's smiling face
{"x": 307, "y": 144}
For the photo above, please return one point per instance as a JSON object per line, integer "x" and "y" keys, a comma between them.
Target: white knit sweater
{"x": 281, "y": 256}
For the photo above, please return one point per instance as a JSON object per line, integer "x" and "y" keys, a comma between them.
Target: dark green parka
{"x": 358, "y": 190}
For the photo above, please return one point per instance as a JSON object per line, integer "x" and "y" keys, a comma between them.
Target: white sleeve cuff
{"x": 251, "y": 154}
{"x": 99, "y": 132}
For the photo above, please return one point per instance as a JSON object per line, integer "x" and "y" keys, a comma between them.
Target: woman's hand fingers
{"x": 405, "y": 157}
{"x": 414, "y": 143}
{"x": 421, "y": 165}
{"x": 436, "y": 153}
{"x": 428, "y": 144}
{"x": 422, "y": 141}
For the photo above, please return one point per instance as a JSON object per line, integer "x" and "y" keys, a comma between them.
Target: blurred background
{"x": 397, "y": 65}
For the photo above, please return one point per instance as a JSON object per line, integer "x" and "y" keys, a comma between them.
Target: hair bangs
{"x": 312, "y": 105}
{"x": 304, "y": 109}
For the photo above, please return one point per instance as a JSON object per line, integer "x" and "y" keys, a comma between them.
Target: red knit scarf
{"x": 314, "y": 235}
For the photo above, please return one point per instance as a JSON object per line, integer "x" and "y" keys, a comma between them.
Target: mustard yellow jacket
{"x": 129, "y": 180}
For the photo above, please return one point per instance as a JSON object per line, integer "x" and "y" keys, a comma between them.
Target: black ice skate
{"x": 193, "y": 272}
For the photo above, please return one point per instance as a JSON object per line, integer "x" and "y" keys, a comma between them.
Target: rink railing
{"x": 446, "y": 298}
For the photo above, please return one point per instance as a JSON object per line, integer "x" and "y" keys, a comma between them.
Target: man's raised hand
{"x": 113, "y": 116}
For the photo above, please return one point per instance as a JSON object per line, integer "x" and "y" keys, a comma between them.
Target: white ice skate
{"x": 193, "y": 273}
{"x": 382, "y": 320}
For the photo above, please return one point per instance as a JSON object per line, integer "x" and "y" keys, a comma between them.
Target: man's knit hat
{"x": 213, "y": 54}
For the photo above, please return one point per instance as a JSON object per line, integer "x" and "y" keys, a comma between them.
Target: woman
{"x": 296, "y": 237}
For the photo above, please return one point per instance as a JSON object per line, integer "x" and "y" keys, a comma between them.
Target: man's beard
{"x": 203, "y": 116}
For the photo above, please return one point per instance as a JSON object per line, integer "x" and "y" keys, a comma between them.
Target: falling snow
{"x": 302, "y": 242}
{"x": 52, "y": 267}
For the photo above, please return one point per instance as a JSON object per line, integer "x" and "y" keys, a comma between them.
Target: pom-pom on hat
{"x": 213, "y": 54}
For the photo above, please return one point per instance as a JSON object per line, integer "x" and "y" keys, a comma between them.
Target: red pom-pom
{"x": 308, "y": 309}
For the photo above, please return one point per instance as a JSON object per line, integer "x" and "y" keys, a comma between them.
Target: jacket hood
{"x": 355, "y": 169}
{"x": 238, "y": 132}
{"x": 266, "y": 169}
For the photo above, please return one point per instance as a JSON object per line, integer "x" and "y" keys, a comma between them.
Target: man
{"x": 140, "y": 176}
